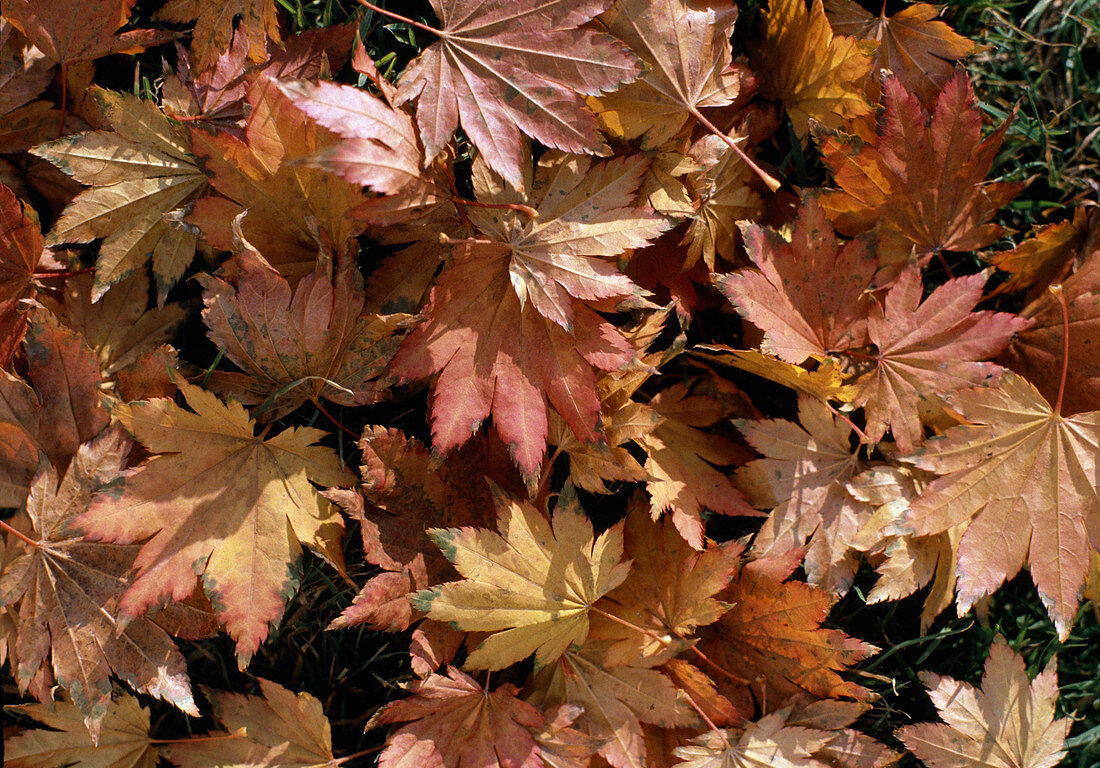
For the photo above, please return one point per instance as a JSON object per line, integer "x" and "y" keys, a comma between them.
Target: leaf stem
{"x": 20, "y": 536}
{"x": 767, "y": 178}
{"x": 1056, "y": 291}
{"x": 330, "y": 417}
{"x": 399, "y": 17}
{"x": 718, "y": 667}
{"x": 525, "y": 209}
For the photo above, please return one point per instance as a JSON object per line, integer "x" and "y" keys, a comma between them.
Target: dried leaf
{"x": 66, "y": 36}
{"x": 238, "y": 520}
{"x": 214, "y": 26}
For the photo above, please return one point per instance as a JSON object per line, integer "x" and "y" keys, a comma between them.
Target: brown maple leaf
{"x": 68, "y": 591}
{"x": 687, "y": 55}
{"x": 1049, "y": 255}
{"x": 123, "y": 742}
{"x": 497, "y": 356}
{"x": 54, "y": 414}
{"x": 814, "y": 73}
{"x": 1038, "y": 352}
{"x": 1022, "y": 476}
{"x": 277, "y": 728}
{"x": 502, "y": 68}
{"x": 928, "y": 349}
{"x": 802, "y": 479}
{"x": 318, "y": 342}
{"x": 238, "y": 519}
{"x": 214, "y": 26}
{"x": 1007, "y": 722}
{"x": 772, "y": 639}
{"x": 20, "y": 254}
{"x": 140, "y": 171}
{"x": 920, "y": 51}
{"x": 68, "y": 36}
{"x": 128, "y": 338}
{"x": 658, "y": 608}
{"x": 617, "y": 702}
{"x": 457, "y": 722}
{"x": 585, "y": 218}
{"x": 291, "y": 210}
{"x": 811, "y": 295}
{"x": 24, "y": 70}
{"x": 922, "y": 181}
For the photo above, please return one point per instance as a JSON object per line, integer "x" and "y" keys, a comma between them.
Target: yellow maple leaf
{"x": 814, "y": 73}
{"x": 532, "y": 585}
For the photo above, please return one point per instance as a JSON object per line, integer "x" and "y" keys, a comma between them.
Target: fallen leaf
{"x": 457, "y": 722}
{"x": 823, "y": 383}
{"x": 24, "y": 70}
{"x": 139, "y": 172}
{"x": 278, "y": 729}
{"x": 768, "y": 741}
{"x": 1021, "y": 476}
{"x": 20, "y": 253}
{"x": 214, "y": 26}
{"x": 67, "y": 37}
{"x": 1048, "y": 256}
{"x": 237, "y": 522}
{"x": 687, "y": 56}
{"x": 616, "y": 702}
{"x": 496, "y": 356}
{"x": 1007, "y": 722}
{"x": 922, "y": 180}
{"x": 502, "y": 68}
{"x": 1038, "y": 352}
{"x": 920, "y": 51}
{"x": 926, "y": 349}
{"x": 814, "y": 73}
{"x": 802, "y": 479}
{"x": 124, "y": 740}
{"x": 532, "y": 585}
{"x": 317, "y": 342}
{"x": 292, "y": 210}
{"x": 810, "y": 295}
{"x": 68, "y": 591}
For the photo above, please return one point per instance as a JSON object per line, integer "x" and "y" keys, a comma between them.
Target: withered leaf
{"x": 214, "y": 26}
{"x": 67, "y": 36}
{"x": 217, "y": 501}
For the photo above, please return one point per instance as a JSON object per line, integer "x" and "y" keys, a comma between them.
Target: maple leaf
{"x": 237, "y": 520}
{"x": 124, "y": 740}
{"x": 918, "y": 50}
{"x": 532, "y": 585}
{"x": 457, "y": 722}
{"x": 925, "y": 351}
{"x": 20, "y": 253}
{"x": 24, "y": 70}
{"x": 801, "y": 63}
{"x": 1022, "y": 476}
{"x": 687, "y": 56}
{"x": 1048, "y": 256}
{"x": 767, "y": 741}
{"x": 494, "y": 355}
{"x": 138, "y": 172}
{"x": 1007, "y": 722}
{"x": 660, "y": 606}
{"x": 585, "y": 218}
{"x": 724, "y": 197}
{"x": 823, "y": 383}
{"x": 802, "y": 479}
{"x": 380, "y": 148}
{"x": 293, "y": 209}
{"x": 810, "y": 295}
{"x": 68, "y": 37}
{"x": 122, "y": 333}
{"x": 68, "y": 590}
{"x": 1038, "y": 352}
{"x": 922, "y": 180}
{"x": 277, "y": 728}
{"x": 61, "y": 410}
{"x": 214, "y": 26}
{"x": 502, "y": 68}
{"x": 680, "y": 460}
{"x": 318, "y": 342}
{"x": 406, "y": 489}
{"x": 772, "y": 639}
{"x": 617, "y": 701}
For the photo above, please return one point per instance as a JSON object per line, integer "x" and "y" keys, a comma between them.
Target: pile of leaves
{"x": 534, "y": 344}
